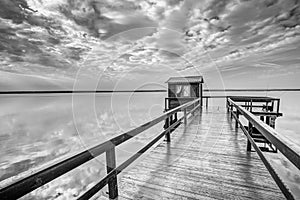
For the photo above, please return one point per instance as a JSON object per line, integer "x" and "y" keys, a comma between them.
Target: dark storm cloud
{"x": 101, "y": 23}
{"x": 35, "y": 37}
{"x": 88, "y": 14}
{"x": 19, "y": 12}
{"x": 19, "y": 48}
{"x": 42, "y": 38}
{"x": 251, "y": 16}
{"x": 16, "y": 10}
{"x": 251, "y": 27}
{"x": 290, "y": 18}
{"x": 12, "y": 44}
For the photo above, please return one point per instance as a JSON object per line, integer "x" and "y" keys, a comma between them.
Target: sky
{"x": 136, "y": 44}
{"x": 129, "y": 44}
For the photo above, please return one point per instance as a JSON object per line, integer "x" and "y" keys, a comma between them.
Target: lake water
{"x": 38, "y": 130}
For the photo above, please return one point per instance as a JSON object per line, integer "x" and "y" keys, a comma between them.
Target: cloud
{"x": 215, "y": 8}
{"x": 65, "y": 36}
{"x": 13, "y": 81}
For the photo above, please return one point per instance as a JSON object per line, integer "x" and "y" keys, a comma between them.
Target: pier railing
{"x": 290, "y": 150}
{"x": 29, "y": 183}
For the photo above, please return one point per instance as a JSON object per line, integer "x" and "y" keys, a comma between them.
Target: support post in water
{"x": 250, "y": 133}
{"x": 110, "y": 165}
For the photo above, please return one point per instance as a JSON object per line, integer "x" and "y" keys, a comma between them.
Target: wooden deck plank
{"x": 202, "y": 172}
{"x": 205, "y": 160}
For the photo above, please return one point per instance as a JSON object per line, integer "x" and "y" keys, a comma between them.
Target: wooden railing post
{"x": 168, "y": 137}
{"x": 227, "y": 105}
{"x": 185, "y": 117}
{"x": 237, "y": 118}
{"x": 201, "y": 101}
{"x": 200, "y": 107}
{"x": 268, "y": 120}
{"x": 110, "y": 165}
{"x": 250, "y": 128}
{"x": 192, "y": 113}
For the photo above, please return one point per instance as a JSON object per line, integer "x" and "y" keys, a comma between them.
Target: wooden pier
{"x": 207, "y": 159}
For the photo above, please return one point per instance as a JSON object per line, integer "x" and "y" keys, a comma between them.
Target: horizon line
{"x": 142, "y": 91}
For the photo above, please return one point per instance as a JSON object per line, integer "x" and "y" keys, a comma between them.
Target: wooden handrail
{"x": 269, "y": 167}
{"x": 31, "y": 182}
{"x": 289, "y": 149}
{"x": 125, "y": 164}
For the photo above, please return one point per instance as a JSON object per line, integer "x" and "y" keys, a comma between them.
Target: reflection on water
{"x": 36, "y": 130}
{"x": 288, "y": 126}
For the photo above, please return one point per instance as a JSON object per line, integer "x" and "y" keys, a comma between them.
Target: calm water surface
{"x": 38, "y": 130}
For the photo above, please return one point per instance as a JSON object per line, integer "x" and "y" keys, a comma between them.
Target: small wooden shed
{"x": 183, "y": 89}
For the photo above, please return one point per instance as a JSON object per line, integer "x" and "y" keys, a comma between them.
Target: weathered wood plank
{"x": 211, "y": 176}
{"x": 214, "y": 187}
{"x": 205, "y": 160}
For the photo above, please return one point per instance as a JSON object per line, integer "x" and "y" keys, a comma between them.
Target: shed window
{"x": 186, "y": 91}
{"x": 178, "y": 90}
{"x": 183, "y": 91}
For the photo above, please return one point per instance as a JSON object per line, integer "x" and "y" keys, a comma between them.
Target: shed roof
{"x": 187, "y": 79}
